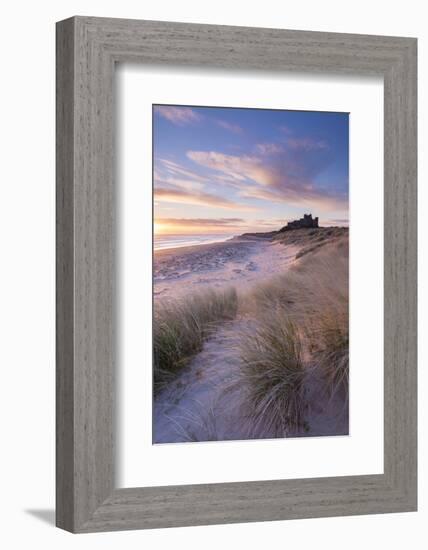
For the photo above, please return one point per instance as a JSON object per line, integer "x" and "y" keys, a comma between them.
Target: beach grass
{"x": 330, "y": 351}
{"x": 317, "y": 282}
{"x": 301, "y": 327}
{"x": 181, "y": 326}
{"x": 273, "y": 370}
{"x": 309, "y": 240}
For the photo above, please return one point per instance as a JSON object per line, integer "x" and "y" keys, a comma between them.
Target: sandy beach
{"x": 208, "y": 401}
{"x": 238, "y": 262}
{"x": 204, "y": 403}
{"x": 209, "y": 398}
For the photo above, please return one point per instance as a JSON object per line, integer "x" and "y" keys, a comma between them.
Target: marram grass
{"x": 301, "y": 329}
{"x": 181, "y": 326}
{"x": 273, "y": 368}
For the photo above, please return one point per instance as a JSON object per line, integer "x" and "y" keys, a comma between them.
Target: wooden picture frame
{"x": 87, "y": 50}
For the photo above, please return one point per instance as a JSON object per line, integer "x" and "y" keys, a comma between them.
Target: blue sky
{"x": 227, "y": 170}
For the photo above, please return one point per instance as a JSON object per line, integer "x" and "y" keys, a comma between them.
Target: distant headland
{"x": 307, "y": 222}
{"x": 304, "y": 233}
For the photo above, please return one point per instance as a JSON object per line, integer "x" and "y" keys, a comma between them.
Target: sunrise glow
{"x": 157, "y": 228}
{"x": 228, "y": 171}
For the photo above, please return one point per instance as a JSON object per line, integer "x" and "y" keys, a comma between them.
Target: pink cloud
{"x": 218, "y": 222}
{"x": 236, "y": 167}
{"x": 178, "y": 115}
{"x": 186, "y": 196}
{"x": 308, "y": 197}
{"x": 287, "y": 177}
{"x": 175, "y": 169}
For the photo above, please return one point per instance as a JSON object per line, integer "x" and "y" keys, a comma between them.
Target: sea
{"x": 162, "y": 242}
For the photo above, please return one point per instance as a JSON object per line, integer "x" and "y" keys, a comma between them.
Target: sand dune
{"x": 213, "y": 395}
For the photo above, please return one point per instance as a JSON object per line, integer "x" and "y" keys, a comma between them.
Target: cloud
{"x": 164, "y": 166}
{"x": 236, "y": 167}
{"x": 197, "y": 222}
{"x": 180, "y": 116}
{"x": 185, "y": 196}
{"x": 226, "y": 180}
{"x": 231, "y": 127}
{"x": 288, "y": 177}
{"x": 340, "y": 222}
{"x": 276, "y": 222}
{"x": 217, "y": 225}
{"x": 178, "y": 180}
{"x": 269, "y": 148}
{"x": 295, "y": 144}
{"x": 307, "y": 144}
{"x": 172, "y": 183}
{"x": 168, "y": 173}
{"x": 309, "y": 198}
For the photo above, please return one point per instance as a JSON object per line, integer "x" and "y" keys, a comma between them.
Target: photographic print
{"x": 250, "y": 273}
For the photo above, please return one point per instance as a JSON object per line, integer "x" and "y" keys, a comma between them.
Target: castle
{"x": 306, "y": 222}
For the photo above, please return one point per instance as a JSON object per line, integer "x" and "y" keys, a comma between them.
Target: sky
{"x": 230, "y": 170}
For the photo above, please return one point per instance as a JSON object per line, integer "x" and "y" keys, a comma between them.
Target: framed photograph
{"x": 236, "y": 274}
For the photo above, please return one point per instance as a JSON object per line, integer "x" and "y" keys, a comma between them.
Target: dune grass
{"x": 318, "y": 282}
{"x": 330, "y": 351}
{"x": 181, "y": 326}
{"x": 309, "y": 240}
{"x": 301, "y": 327}
{"x": 273, "y": 369}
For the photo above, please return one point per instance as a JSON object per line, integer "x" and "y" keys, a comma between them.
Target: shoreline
{"x": 185, "y": 243}
{"x": 268, "y": 236}
{"x": 238, "y": 262}
{"x": 185, "y": 249}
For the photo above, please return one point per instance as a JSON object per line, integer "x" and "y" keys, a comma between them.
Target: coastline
{"x": 169, "y": 242}
{"x": 178, "y": 250}
{"x": 237, "y": 262}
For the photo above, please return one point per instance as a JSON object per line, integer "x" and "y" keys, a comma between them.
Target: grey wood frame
{"x": 87, "y": 50}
